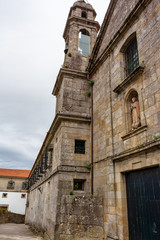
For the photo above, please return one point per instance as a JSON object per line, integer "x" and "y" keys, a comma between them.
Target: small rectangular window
{"x": 25, "y": 185}
{"x": 11, "y": 184}
{"x": 23, "y": 195}
{"x": 80, "y": 146}
{"x": 78, "y": 184}
{"x": 4, "y": 195}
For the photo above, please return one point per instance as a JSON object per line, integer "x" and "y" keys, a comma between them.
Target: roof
{"x": 82, "y": 3}
{"x": 14, "y": 173}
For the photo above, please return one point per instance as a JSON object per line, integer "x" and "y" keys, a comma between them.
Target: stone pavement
{"x": 11, "y": 231}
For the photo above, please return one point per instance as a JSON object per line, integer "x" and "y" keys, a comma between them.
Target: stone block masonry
{"x": 9, "y": 217}
{"x": 80, "y": 217}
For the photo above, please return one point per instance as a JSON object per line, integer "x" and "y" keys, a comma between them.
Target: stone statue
{"x": 135, "y": 113}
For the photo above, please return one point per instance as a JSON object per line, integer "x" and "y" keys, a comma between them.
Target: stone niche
{"x": 80, "y": 218}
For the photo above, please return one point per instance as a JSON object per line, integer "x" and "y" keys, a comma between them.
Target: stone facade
{"x": 13, "y": 191}
{"x": 117, "y": 147}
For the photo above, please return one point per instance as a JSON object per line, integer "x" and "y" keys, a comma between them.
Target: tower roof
{"x": 83, "y": 4}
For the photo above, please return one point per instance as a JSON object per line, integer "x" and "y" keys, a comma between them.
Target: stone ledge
{"x": 142, "y": 148}
{"x": 134, "y": 132}
{"x": 59, "y": 169}
{"x": 134, "y": 75}
{"x": 67, "y": 72}
{"x": 67, "y": 168}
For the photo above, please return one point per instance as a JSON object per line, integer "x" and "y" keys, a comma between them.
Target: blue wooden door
{"x": 143, "y": 200}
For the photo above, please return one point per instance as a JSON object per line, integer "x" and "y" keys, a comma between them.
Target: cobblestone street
{"x": 12, "y": 231}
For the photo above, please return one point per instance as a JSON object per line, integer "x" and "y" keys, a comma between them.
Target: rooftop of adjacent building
{"x": 4, "y": 172}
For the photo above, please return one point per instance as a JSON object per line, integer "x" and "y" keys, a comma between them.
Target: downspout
{"x": 92, "y": 167}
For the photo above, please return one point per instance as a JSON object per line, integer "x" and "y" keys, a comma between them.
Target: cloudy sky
{"x": 31, "y": 53}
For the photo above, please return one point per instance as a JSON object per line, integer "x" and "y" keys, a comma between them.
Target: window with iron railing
{"x": 80, "y": 146}
{"x": 131, "y": 57}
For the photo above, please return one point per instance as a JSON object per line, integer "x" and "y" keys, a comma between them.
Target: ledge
{"x": 136, "y": 73}
{"x": 133, "y": 151}
{"x": 59, "y": 169}
{"x": 69, "y": 72}
{"x": 134, "y": 132}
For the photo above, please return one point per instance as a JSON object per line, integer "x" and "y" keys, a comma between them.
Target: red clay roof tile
{"x": 14, "y": 173}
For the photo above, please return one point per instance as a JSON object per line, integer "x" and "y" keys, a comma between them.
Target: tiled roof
{"x": 14, "y": 173}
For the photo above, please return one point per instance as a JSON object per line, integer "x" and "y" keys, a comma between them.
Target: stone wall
{"x": 41, "y": 210}
{"x": 8, "y": 217}
{"x": 80, "y": 218}
{"x": 117, "y": 148}
{"x": 45, "y": 196}
{"x": 70, "y": 132}
{"x": 17, "y": 186}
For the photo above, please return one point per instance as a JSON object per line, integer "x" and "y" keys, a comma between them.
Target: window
{"x": 4, "y": 195}
{"x": 23, "y": 195}
{"x": 84, "y": 14}
{"x": 131, "y": 56}
{"x": 24, "y": 185}
{"x": 11, "y": 184}
{"x": 84, "y": 42}
{"x": 80, "y": 146}
{"x": 78, "y": 184}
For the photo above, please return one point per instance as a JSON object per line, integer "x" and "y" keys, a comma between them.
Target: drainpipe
{"x": 92, "y": 170}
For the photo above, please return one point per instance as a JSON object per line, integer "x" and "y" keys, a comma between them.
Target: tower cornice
{"x": 66, "y": 72}
{"x": 79, "y": 20}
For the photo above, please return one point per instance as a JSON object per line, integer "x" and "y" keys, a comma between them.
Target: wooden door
{"x": 143, "y": 200}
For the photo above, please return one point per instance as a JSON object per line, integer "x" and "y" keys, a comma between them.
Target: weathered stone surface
{"x": 9, "y": 217}
{"x": 81, "y": 217}
{"x": 117, "y": 148}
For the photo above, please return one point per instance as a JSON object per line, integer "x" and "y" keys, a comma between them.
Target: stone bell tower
{"x": 80, "y": 35}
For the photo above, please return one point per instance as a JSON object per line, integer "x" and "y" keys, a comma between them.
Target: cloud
{"x": 31, "y": 53}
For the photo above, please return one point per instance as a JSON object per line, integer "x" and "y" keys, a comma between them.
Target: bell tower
{"x": 80, "y": 34}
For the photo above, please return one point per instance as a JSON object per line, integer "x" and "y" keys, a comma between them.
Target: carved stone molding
{"x": 155, "y": 144}
{"x": 129, "y": 79}
{"x": 134, "y": 132}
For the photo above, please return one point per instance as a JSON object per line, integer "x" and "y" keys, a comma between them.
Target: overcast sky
{"x": 31, "y": 53}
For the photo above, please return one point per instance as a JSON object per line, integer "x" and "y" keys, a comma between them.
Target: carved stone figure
{"x": 135, "y": 113}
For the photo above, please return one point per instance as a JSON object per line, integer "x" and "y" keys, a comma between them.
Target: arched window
{"x": 131, "y": 56}
{"x": 84, "y": 14}
{"x": 84, "y": 42}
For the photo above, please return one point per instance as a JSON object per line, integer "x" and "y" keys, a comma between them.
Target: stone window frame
{"x": 84, "y": 31}
{"x": 131, "y": 56}
{"x": 77, "y": 149}
{"x": 78, "y": 184}
{"x": 126, "y": 45}
{"x": 84, "y": 14}
{"x": 25, "y": 185}
{"x": 127, "y": 79}
{"x": 11, "y": 184}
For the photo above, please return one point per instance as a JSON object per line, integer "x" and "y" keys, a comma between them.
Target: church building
{"x": 97, "y": 174}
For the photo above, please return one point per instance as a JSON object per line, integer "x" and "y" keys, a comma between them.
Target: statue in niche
{"x": 135, "y": 113}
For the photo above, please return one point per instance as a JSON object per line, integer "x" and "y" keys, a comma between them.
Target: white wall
{"x": 15, "y": 202}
